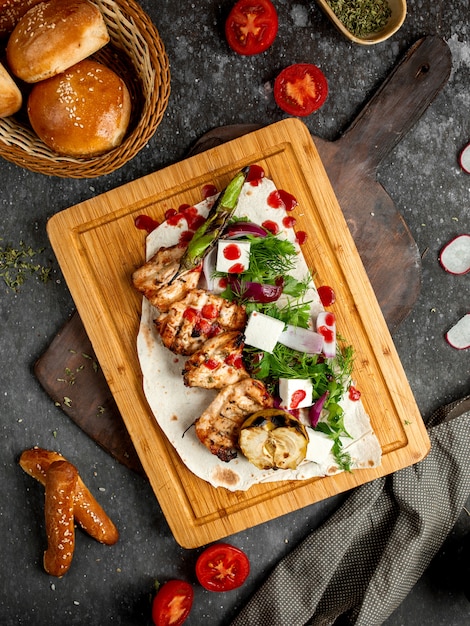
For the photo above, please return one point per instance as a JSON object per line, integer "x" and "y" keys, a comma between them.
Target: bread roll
{"x": 10, "y": 96}
{"x": 83, "y": 112}
{"x": 87, "y": 511}
{"x": 11, "y": 11}
{"x": 61, "y": 482}
{"x": 53, "y": 36}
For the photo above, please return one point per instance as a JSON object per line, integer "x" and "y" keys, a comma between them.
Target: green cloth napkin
{"x": 362, "y": 562}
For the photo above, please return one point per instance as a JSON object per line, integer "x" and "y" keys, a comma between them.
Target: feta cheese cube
{"x": 262, "y": 331}
{"x": 319, "y": 446}
{"x": 296, "y": 393}
{"x": 233, "y": 257}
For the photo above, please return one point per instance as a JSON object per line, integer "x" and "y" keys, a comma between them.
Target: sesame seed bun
{"x": 82, "y": 112}
{"x": 11, "y": 11}
{"x": 10, "y": 96}
{"x": 52, "y": 36}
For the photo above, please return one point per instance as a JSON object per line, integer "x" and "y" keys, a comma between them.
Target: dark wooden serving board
{"x": 68, "y": 369}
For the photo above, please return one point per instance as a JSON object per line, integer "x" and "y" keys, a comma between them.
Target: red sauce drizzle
{"x": 289, "y": 201}
{"x": 208, "y": 191}
{"x": 274, "y": 200}
{"x": 211, "y": 364}
{"x": 145, "y": 222}
{"x": 297, "y": 398}
{"x": 170, "y": 213}
{"x": 255, "y": 174}
{"x": 280, "y": 199}
{"x": 354, "y": 394}
{"x": 301, "y": 237}
{"x": 327, "y": 295}
{"x": 173, "y": 220}
{"x": 232, "y": 252}
{"x": 210, "y": 311}
{"x": 192, "y": 216}
{"x": 326, "y": 333}
{"x": 191, "y": 314}
{"x": 270, "y": 226}
{"x": 289, "y": 222}
{"x": 185, "y": 238}
{"x": 236, "y": 268}
{"x": 235, "y": 360}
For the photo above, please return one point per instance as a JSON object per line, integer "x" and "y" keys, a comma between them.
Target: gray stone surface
{"x": 212, "y": 87}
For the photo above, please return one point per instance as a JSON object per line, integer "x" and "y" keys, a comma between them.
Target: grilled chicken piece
{"x": 218, "y": 363}
{"x": 152, "y": 278}
{"x": 219, "y": 426}
{"x": 195, "y": 319}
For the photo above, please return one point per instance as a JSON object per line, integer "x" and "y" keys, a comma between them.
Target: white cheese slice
{"x": 296, "y": 393}
{"x": 262, "y": 331}
{"x": 233, "y": 257}
{"x": 319, "y": 446}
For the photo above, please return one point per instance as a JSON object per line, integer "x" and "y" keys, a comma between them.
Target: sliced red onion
{"x": 301, "y": 339}
{"x": 241, "y": 229}
{"x": 256, "y": 292}
{"x": 316, "y": 409}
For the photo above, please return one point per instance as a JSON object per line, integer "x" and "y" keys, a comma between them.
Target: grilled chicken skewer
{"x": 218, "y": 428}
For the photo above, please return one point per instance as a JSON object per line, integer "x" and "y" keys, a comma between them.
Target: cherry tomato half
{"x": 251, "y": 26}
{"x": 172, "y": 604}
{"x": 300, "y": 89}
{"x": 222, "y": 567}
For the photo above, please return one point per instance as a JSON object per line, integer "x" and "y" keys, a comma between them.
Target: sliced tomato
{"x": 222, "y": 567}
{"x": 172, "y": 604}
{"x": 300, "y": 89}
{"x": 251, "y": 26}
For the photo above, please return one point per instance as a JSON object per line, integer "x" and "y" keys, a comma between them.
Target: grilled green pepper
{"x": 207, "y": 235}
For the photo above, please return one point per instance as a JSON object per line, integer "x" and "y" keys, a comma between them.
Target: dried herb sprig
{"x": 361, "y": 17}
{"x": 16, "y": 265}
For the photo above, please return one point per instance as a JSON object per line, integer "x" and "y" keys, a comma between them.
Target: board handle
{"x": 399, "y": 102}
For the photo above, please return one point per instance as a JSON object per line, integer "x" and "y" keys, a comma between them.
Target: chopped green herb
{"x": 270, "y": 258}
{"x": 361, "y": 17}
{"x": 16, "y": 265}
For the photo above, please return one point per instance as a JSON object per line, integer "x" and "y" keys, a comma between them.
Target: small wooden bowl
{"x": 395, "y": 21}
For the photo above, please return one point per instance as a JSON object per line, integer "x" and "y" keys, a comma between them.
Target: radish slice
{"x": 455, "y": 255}
{"x": 301, "y": 339}
{"x": 459, "y": 335}
{"x": 464, "y": 159}
{"x": 326, "y": 326}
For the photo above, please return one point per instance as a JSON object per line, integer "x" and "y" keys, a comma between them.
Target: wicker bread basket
{"x": 137, "y": 54}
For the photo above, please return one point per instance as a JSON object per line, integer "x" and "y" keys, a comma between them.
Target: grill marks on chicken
{"x": 201, "y": 315}
{"x": 218, "y": 363}
{"x": 209, "y": 329}
{"x": 219, "y": 426}
{"x": 153, "y": 278}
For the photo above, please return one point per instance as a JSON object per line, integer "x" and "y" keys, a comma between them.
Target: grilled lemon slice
{"x": 273, "y": 439}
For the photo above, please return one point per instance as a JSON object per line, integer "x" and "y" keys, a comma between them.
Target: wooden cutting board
{"x": 76, "y": 383}
{"x": 98, "y": 247}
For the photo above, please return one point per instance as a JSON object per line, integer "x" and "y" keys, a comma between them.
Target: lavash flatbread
{"x": 176, "y": 407}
